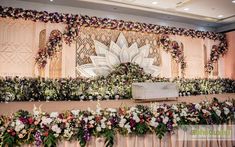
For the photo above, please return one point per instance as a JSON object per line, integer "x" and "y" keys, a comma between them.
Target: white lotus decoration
{"x": 109, "y": 57}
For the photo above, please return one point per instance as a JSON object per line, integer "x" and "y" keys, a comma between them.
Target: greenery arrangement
{"x": 117, "y": 85}
{"x": 46, "y": 129}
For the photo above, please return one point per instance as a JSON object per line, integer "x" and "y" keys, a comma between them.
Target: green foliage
{"x": 109, "y": 137}
{"x": 50, "y": 140}
{"x": 8, "y": 140}
{"x": 141, "y": 128}
{"x": 80, "y": 138}
{"x": 161, "y": 130}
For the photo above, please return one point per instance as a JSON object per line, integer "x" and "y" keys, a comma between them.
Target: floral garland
{"x": 54, "y": 45}
{"x": 84, "y": 20}
{"x": 46, "y": 129}
{"x": 175, "y": 50}
{"x": 117, "y": 85}
{"x": 74, "y": 22}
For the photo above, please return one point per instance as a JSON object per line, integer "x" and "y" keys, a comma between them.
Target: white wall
{"x": 99, "y": 13}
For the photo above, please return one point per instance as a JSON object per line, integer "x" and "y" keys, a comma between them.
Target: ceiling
{"x": 206, "y": 13}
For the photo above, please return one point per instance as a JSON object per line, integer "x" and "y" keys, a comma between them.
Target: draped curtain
{"x": 177, "y": 139}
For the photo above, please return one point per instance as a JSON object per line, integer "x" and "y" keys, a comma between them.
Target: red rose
{"x": 13, "y": 133}
{"x": 30, "y": 120}
{"x": 45, "y": 134}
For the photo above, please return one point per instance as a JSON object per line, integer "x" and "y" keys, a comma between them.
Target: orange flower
{"x": 45, "y": 134}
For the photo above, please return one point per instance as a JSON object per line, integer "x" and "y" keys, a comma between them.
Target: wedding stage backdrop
{"x": 22, "y": 39}
{"x": 64, "y": 47}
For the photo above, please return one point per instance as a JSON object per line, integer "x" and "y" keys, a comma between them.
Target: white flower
{"x": 165, "y": 120}
{"x": 214, "y": 108}
{"x": 228, "y": 103}
{"x": 177, "y": 118}
{"x": 24, "y": 131}
{"x": 98, "y": 111}
{"x": 153, "y": 122}
{"x": 205, "y": 111}
{"x": 36, "y": 113}
{"x": 46, "y": 120}
{"x": 90, "y": 117}
{"x": 56, "y": 129}
{"x": 103, "y": 125}
{"x": 122, "y": 122}
{"x": 136, "y": 118}
{"x": 18, "y": 122}
{"x": 112, "y": 110}
{"x": 174, "y": 107}
{"x": 54, "y": 114}
{"x": 75, "y": 112}
{"x": 98, "y": 128}
{"x": 132, "y": 109}
{"x": 92, "y": 122}
{"x": 13, "y": 124}
{"x": 226, "y": 111}
{"x": 183, "y": 113}
{"x": 198, "y": 106}
{"x": 19, "y": 125}
{"x": 128, "y": 127}
{"x": 218, "y": 112}
{"x": 103, "y": 120}
{"x": 68, "y": 133}
{"x": 85, "y": 119}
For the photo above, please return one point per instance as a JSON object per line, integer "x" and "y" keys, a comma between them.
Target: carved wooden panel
{"x": 85, "y": 42}
{"x": 205, "y": 59}
{"x": 174, "y": 68}
{"x": 55, "y": 68}
{"x": 42, "y": 39}
{"x": 216, "y": 69}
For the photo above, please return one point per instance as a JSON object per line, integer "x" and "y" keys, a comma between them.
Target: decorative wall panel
{"x": 16, "y": 47}
{"x": 85, "y": 42}
{"x": 21, "y": 39}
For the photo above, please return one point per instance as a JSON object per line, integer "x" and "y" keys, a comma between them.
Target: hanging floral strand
{"x": 54, "y": 45}
{"x": 174, "y": 49}
{"x": 215, "y": 54}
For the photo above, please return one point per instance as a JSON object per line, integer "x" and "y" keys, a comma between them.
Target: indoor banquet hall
{"x": 117, "y": 73}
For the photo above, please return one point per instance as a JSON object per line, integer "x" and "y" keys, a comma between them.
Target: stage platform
{"x": 60, "y": 106}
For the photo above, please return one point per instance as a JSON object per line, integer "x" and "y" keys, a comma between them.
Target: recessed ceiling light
{"x": 154, "y": 3}
{"x": 51, "y": 0}
{"x": 186, "y": 9}
{"x": 220, "y": 16}
{"x": 233, "y": 1}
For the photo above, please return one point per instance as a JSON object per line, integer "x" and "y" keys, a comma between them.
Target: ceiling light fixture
{"x": 220, "y": 16}
{"x": 154, "y": 3}
{"x": 51, "y": 0}
{"x": 233, "y": 1}
{"x": 186, "y": 9}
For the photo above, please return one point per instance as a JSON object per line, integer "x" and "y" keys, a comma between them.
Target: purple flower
{"x": 38, "y": 140}
{"x": 87, "y": 135}
{"x": 132, "y": 123}
{"x": 169, "y": 126}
